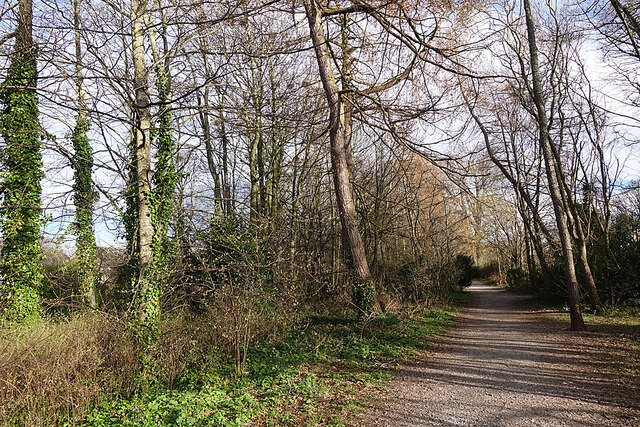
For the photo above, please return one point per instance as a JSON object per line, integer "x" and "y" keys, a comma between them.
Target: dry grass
{"x": 52, "y": 372}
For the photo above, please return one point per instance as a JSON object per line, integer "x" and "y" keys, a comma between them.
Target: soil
{"x": 504, "y": 364}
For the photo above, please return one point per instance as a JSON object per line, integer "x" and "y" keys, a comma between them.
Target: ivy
{"x": 164, "y": 182}
{"x": 84, "y": 198}
{"x": 21, "y": 215}
{"x": 165, "y": 175}
{"x": 363, "y": 293}
{"x": 363, "y": 296}
{"x": 149, "y": 283}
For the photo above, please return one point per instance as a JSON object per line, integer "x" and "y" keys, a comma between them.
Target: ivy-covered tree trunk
{"x": 83, "y": 199}
{"x": 131, "y": 210}
{"x": 84, "y": 194}
{"x": 164, "y": 178}
{"x": 21, "y": 174}
{"x": 147, "y": 292}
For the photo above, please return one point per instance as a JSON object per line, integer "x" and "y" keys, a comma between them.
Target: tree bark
{"x": 148, "y": 305}
{"x": 338, "y": 132}
{"x": 577, "y": 324}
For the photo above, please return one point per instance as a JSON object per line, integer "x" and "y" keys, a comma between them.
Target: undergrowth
{"x": 75, "y": 373}
{"x": 609, "y": 316}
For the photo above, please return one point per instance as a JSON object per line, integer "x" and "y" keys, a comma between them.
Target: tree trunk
{"x": 22, "y": 172}
{"x": 229, "y": 206}
{"x": 148, "y": 294}
{"x": 254, "y": 178}
{"x": 592, "y": 290}
{"x": 577, "y": 233}
{"x": 276, "y": 156}
{"x": 338, "y": 120}
{"x": 164, "y": 177}
{"x": 206, "y": 134}
{"x": 84, "y": 194}
{"x": 577, "y": 324}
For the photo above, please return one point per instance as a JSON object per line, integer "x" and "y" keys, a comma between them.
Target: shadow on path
{"x": 503, "y": 365}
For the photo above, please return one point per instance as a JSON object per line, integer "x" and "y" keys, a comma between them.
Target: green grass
{"x": 320, "y": 373}
{"x": 460, "y": 298}
{"x": 616, "y": 348}
{"x": 609, "y": 317}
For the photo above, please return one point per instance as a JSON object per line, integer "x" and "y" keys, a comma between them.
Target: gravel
{"x": 504, "y": 365}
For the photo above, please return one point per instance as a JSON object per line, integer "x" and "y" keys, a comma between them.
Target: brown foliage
{"x": 53, "y": 371}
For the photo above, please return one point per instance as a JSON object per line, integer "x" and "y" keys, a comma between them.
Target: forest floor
{"x": 507, "y": 363}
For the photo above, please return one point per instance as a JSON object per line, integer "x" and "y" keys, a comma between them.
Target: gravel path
{"x": 503, "y": 365}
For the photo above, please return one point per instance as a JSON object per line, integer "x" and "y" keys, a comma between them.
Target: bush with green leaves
{"x": 518, "y": 280}
{"x": 467, "y": 270}
{"x": 617, "y": 271}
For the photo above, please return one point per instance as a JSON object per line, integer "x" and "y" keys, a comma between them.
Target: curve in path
{"x": 503, "y": 366}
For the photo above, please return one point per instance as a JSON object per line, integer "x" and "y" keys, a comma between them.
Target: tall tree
{"x": 22, "y": 164}
{"x": 147, "y": 291}
{"x": 84, "y": 194}
{"x": 338, "y": 135}
{"x": 551, "y": 166}
{"x": 164, "y": 177}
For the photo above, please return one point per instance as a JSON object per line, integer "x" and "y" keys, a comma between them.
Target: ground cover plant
{"x": 318, "y": 372}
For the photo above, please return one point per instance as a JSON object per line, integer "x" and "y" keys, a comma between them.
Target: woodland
{"x": 202, "y": 201}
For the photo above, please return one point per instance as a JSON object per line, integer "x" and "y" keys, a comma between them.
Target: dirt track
{"x": 503, "y": 365}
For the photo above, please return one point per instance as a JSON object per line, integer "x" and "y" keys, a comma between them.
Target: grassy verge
{"x": 609, "y": 317}
{"x": 320, "y": 374}
{"x": 613, "y": 343}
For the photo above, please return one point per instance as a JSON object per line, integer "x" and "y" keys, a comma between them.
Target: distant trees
{"x": 579, "y": 132}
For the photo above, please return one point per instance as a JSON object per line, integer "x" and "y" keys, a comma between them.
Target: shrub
{"x": 60, "y": 289}
{"x": 467, "y": 270}
{"x": 55, "y": 372}
{"x": 491, "y": 272}
{"x": 518, "y": 280}
{"x": 550, "y": 285}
